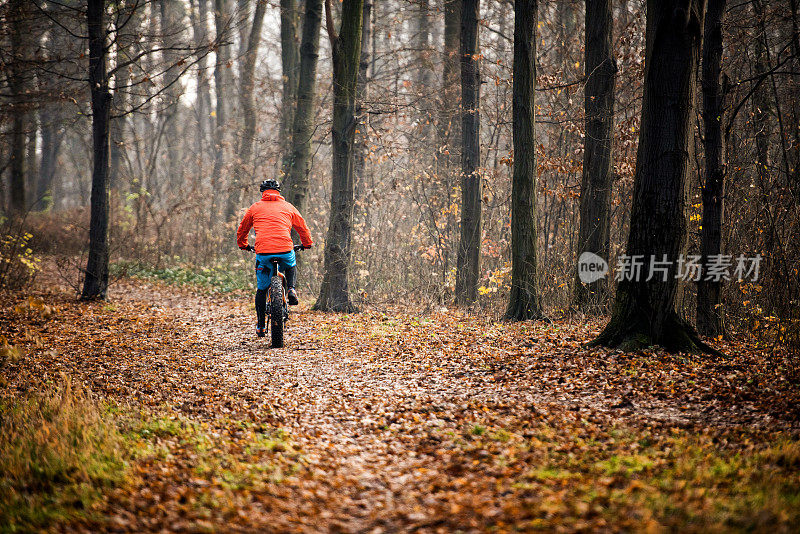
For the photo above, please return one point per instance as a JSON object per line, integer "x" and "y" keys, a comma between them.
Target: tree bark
{"x": 171, "y": 35}
{"x": 203, "y": 89}
{"x": 644, "y": 311}
{"x": 362, "y": 124}
{"x": 122, "y": 78}
{"x": 16, "y": 82}
{"x": 468, "y": 258}
{"x": 524, "y": 302}
{"x": 221, "y": 79}
{"x": 52, "y": 138}
{"x": 244, "y": 168}
{"x": 290, "y": 64}
{"x": 449, "y": 128}
{"x": 596, "y": 182}
{"x": 334, "y": 293}
{"x": 95, "y": 284}
{"x": 710, "y": 314}
{"x": 296, "y": 186}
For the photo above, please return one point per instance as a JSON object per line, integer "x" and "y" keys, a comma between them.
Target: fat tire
{"x": 276, "y": 312}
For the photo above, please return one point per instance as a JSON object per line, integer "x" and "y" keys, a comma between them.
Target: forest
{"x": 547, "y": 257}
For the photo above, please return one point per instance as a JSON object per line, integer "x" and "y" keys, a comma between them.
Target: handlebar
{"x": 251, "y": 248}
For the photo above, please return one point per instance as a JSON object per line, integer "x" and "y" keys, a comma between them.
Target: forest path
{"x": 393, "y": 421}
{"x": 384, "y": 406}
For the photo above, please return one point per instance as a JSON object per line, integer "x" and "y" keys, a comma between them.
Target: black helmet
{"x": 270, "y": 184}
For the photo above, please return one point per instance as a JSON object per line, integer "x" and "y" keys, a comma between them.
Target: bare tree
{"x": 244, "y": 170}
{"x": 595, "y": 208}
{"x": 334, "y": 293}
{"x": 296, "y": 186}
{"x": 16, "y": 84}
{"x": 644, "y": 311}
{"x": 524, "y": 301}
{"x": 710, "y": 314}
{"x": 468, "y": 258}
{"x": 95, "y": 283}
{"x": 290, "y": 65}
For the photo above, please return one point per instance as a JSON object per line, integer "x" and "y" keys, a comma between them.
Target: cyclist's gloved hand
{"x": 248, "y": 248}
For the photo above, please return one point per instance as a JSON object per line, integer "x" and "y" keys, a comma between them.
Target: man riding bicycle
{"x": 272, "y": 218}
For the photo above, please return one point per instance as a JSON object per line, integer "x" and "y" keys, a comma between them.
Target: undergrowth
{"x": 62, "y": 453}
{"x": 57, "y": 454}
{"x": 219, "y": 278}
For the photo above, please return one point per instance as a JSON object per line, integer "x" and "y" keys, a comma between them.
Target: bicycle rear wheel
{"x": 276, "y": 311}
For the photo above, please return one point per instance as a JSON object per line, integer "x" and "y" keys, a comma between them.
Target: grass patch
{"x": 222, "y": 278}
{"x": 62, "y": 451}
{"x": 57, "y": 455}
{"x": 672, "y": 480}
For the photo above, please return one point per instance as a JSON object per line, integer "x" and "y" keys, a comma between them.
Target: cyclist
{"x": 272, "y": 218}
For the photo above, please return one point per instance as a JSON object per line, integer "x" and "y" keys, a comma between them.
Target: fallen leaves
{"x": 390, "y": 421}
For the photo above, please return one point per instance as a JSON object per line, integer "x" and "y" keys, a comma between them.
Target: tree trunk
{"x": 449, "y": 129}
{"x": 596, "y": 182}
{"x": 644, "y": 312}
{"x": 524, "y": 302}
{"x": 468, "y": 258}
{"x": 761, "y": 107}
{"x": 424, "y": 78}
{"x": 122, "y": 78}
{"x": 334, "y": 293}
{"x": 361, "y": 95}
{"x": 52, "y": 137}
{"x": 710, "y": 315}
{"x": 296, "y": 188}
{"x": 290, "y": 63}
{"x": 221, "y": 77}
{"x": 172, "y": 34}
{"x": 203, "y": 90}
{"x": 31, "y": 159}
{"x": 244, "y": 168}
{"x": 16, "y": 83}
{"x": 95, "y": 284}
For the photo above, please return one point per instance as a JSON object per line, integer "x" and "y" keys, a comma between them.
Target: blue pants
{"x": 264, "y": 272}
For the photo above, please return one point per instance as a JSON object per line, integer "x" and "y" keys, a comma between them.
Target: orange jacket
{"x": 273, "y": 219}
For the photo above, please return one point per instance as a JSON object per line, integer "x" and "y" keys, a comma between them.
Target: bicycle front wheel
{"x": 276, "y": 311}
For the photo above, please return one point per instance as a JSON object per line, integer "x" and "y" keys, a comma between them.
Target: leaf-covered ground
{"x": 387, "y": 421}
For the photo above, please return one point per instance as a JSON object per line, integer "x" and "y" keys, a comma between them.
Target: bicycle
{"x": 277, "y": 302}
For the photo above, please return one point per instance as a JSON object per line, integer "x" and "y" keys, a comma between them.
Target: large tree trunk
{"x": 296, "y": 188}
{"x": 244, "y": 168}
{"x": 710, "y": 315}
{"x": 290, "y": 63}
{"x": 16, "y": 82}
{"x": 95, "y": 284}
{"x": 596, "y": 182}
{"x": 644, "y": 312}
{"x": 524, "y": 302}
{"x": 468, "y": 258}
{"x": 221, "y": 79}
{"x": 334, "y": 293}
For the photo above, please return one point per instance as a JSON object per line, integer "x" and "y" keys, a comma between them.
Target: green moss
{"x": 58, "y": 455}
